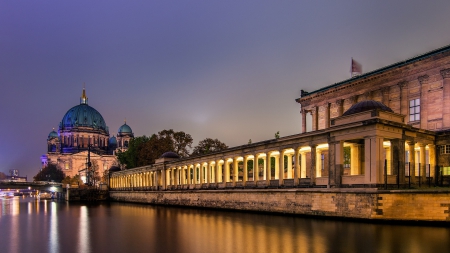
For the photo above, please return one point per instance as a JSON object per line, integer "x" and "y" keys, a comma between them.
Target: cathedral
{"x": 83, "y": 133}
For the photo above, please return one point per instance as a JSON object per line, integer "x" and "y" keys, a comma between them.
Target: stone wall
{"x": 352, "y": 203}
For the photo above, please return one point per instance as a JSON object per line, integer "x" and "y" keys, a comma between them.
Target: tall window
{"x": 414, "y": 109}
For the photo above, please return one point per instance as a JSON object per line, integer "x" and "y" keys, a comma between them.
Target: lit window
{"x": 66, "y": 166}
{"x": 414, "y": 109}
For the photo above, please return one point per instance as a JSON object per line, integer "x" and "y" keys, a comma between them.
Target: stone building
{"x": 386, "y": 128}
{"x": 83, "y": 132}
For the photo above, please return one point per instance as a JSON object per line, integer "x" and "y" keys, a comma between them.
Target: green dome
{"x": 83, "y": 115}
{"x": 125, "y": 129}
{"x": 52, "y": 134}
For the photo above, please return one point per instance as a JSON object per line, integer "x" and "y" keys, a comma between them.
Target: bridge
{"x": 39, "y": 185}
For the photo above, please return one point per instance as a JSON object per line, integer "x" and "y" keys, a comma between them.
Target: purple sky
{"x": 220, "y": 69}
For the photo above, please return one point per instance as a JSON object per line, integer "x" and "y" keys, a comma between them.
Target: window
{"x": 445, "y": 149}
{"x": 414, "y": 109}
{"x": 446, "y": 171}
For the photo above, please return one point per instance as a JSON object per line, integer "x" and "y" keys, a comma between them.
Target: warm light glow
{"x": 320, "y": 146}
{"x": 305, "y": 149}
{"x": 386, "y": 143}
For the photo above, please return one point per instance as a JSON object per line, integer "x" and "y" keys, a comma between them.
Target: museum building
{"x": 388, "y": 127}
{"x": 83, "y": 132}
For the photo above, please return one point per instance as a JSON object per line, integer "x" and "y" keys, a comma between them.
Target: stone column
{"x": 313, "y": 164}
{"x": 432, "y": 159}
{"x": 277, "y": 166}
{"x": 385, "y": 96}
{"x": 303, "y": 112}
{"x": 340, "y": 107}
{"x": 422, "y": 160}
{"x": 327, "y": 115}
{"x": 289, "y": 166}
{"x": 255, "y": 168}
{"x": 412, "y": 161}
{"x": 202, "y": 173}
{"x": 398, "y": 159}
{"x": 303, "y": 165}
{"x": 245, "y": 176}
{"x": 267, "y": 168}
{"x": 337, "y": 168}
{"x": 227, "y": 171}
{"x": 281, "y": 168}
{"x": 216, "y": 175}
{"x": 314, "y": 113}
{"x": 423, "y": 80}
{"x": 355, "y": 168}
{"x": 208, "y": 172}
{"x": 373, "y": 160}
{"x": 195, "y": 174}
{"x": 445, "y": 73}
{"x": 296, "y": 166}
{"x": 404, "y": 103}
{"x": 235, "y": 170}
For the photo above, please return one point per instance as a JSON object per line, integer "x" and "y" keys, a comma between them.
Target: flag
{"x": 356, "y": 68}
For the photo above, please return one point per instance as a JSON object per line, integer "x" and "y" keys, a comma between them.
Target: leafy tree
{"x": 277, "y": 135}
{"x": 129, "y": 158}
{"x": 208, "y": 145}
{"x": 2, "y": 176}
{"x": 50, "y": 173}
{"x": 153, "y": 149}
{"x": 95, "y": 174}
{"x": 181, "y": 141}
{"x": 75, "y": 180}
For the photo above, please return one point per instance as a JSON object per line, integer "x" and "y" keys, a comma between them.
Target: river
{"x": 27, "y": 225}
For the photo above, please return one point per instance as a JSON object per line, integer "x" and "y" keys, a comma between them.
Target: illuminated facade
{"x": 81, "y": 131}
{"x": 389, "y": 127}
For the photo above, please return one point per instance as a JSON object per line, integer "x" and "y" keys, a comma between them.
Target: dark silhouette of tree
{"x": 129, "y": 158}
{"x": 50, "y": 173}
{"x": 181, "y": 141}
{"x": 2, "y": 176}
{"x": 75, "y": 180}
{"x": 208, "y": 145}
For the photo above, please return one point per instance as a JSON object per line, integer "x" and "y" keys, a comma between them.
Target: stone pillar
{"x": 195, "y": 174}
{"x": 227, "y": 170}
{"x": 245, "y": 175}
{"x": 277, "y": 166}
{"x": 255, "y": 168}
{"x": 296, "y": 166}
{"x": 412, "y": 161}
{"x": 267, "y": 168}
{"x": 313, "y": 165}
{"x": 208, "y": 172}
{"x": 318, "y": 163}
{"x": 423, "y": 80}
{"x": 398, "y": 159}
{"x": 314, "y": 113}
{"x": 216, "y": 175}
{"x": 373, "y": 160}
{"x": 336, "y": 159}
{"x": 303, "y": 112}
{"x": 355, "y": 165}
{"x": 289, "y": 166}
{"x": 281, "y": 168}
{"x": 235, "y": 170}
{"x": 202, "y": 174}
{"x": 422, "y": 161}
{"x": 432, "y": 160}
{"x": 404, "y": 103}
{"x": 340, "y": 107}
{"x": 445, "y": 73}
{"x": 327, "y": 115}
{"x": 303, "y": 165}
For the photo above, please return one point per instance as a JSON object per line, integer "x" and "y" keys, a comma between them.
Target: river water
{"x": 27, "y": 225}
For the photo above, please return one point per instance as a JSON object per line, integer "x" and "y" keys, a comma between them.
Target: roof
{"x": 378, "y": 71}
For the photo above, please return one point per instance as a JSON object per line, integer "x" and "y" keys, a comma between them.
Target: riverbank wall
{"x": 372, "y": 204}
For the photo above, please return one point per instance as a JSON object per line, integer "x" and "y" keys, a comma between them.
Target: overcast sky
{"x": 221, "y": 69}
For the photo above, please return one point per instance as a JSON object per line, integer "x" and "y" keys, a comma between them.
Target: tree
{"x": 2, "y": 176}
{"x": 75, "y": 180}
{"x": 129, "y": 158}
{"x": 208, "y": 145}
{"x": 181, "y": 141}
{"x": 277, "y": 135}
{"x": 50, "y": 173}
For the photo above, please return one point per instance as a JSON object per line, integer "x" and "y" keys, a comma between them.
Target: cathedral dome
{"x": 367, "y": 105}
{"x": 112, "y": 141}
{"x": 52, "y": 134}
{"x": 125, "y": 129}
{"x": 83, "y": 115}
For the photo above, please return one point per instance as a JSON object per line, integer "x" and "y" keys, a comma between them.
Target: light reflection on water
{"x": 47, "y": 226}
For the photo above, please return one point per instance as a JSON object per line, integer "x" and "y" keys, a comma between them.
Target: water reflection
{"x": 120, "y": 227}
